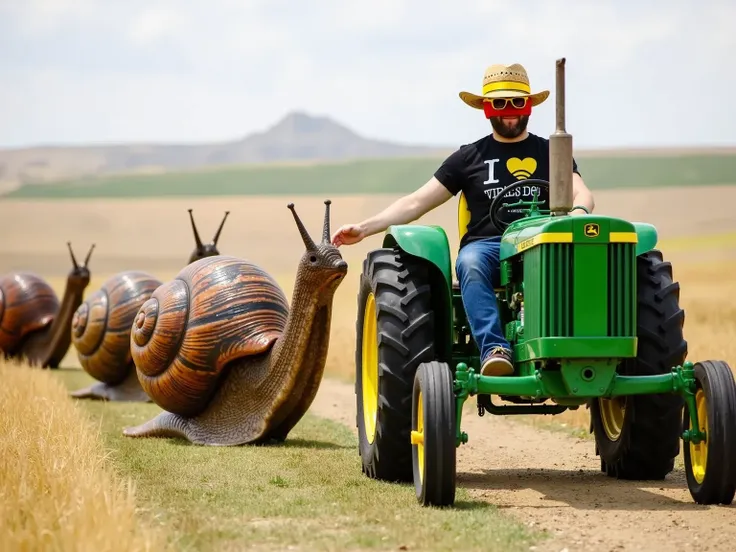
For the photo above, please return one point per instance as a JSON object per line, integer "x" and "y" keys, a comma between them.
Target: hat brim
{"x": 473, "y": 100}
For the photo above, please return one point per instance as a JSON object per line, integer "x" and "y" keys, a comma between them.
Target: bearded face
{"x": 510, "y": 127}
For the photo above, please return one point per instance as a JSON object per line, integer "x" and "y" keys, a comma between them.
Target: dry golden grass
{"x": 57, "y": 491}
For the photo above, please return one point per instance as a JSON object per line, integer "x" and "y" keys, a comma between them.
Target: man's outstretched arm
{"x": 404, "y": 210}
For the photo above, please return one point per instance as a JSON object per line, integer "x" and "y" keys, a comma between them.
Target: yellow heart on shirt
{"x": 521, "y": 169}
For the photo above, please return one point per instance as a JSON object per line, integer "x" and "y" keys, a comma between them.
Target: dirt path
{"x": 552, "y": 482}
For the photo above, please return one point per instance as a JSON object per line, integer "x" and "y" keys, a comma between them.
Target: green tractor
{"x": 592, "y": 312}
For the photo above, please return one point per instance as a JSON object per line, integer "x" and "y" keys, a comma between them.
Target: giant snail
{"x": 34, "y": 324}
{"x": 221, "y": 352}
{"x": 100, "y": 329}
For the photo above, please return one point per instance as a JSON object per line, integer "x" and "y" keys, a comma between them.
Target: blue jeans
{"x": 478, "y": 271}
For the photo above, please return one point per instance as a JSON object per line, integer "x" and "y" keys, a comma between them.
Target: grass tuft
{"x": 57, "y": 491}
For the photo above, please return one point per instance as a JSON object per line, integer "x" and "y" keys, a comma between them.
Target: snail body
{"x": 34, "y": 324}
{"x": 220, "y": 350}
{"x": 101, "y": 328}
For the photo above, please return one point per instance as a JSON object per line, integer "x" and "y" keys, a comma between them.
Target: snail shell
{"x": 216, "y": 310}
{"x": 101, "y": 325}
{"x": 27, "y": 304}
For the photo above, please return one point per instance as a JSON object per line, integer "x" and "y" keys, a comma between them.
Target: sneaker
{"x": 498, "y": 363}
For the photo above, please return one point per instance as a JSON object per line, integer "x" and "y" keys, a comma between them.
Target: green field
{"x": 376, "y": 176}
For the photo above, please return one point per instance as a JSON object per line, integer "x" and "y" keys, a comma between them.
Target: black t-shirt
{"x": 482, "y": 169}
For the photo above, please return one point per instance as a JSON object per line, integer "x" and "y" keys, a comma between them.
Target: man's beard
{"x": 509, "y": 132}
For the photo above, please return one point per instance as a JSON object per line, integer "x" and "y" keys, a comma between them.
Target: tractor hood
{"x": 526, "y": 233}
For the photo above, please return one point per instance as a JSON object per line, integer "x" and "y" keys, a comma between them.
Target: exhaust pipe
{"x": 560, "y": 153}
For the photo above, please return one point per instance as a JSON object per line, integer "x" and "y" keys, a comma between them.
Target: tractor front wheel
{"x": 395, "y": 334}
{"x": 433, "y": 435}
{"x": 710, "y": 466}
{"x": 638, "y": 436}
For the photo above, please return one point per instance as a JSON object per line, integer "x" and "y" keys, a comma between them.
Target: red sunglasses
{"x": 499, "y": 107}
{"x": 501, "y": 103}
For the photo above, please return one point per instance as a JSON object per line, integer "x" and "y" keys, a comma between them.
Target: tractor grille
{"x": 621, "y": 289}
{"x": 549, "y": 282}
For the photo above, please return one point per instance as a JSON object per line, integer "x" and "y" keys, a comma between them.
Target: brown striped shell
{"x": 101, "y": 325}
{"x": 27, "y": 304}
{"x": 216, "y": 310}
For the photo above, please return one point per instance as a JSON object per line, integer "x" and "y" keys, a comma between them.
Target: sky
{"x": 655, "y": 73}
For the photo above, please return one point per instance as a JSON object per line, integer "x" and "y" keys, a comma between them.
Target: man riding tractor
{"x": 479, "y": 171}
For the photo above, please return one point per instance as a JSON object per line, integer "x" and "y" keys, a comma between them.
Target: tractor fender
{"x": 646, "y": 237}
{"x": 430, "y": 244}
{"x": 426, "y": 242}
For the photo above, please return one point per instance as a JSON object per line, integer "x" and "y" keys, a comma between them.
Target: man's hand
{"x": 348, "y": 234}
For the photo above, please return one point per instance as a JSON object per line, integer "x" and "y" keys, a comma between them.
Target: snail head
{"x": 79, "y": 274}
{"x": 323, "y": 263}
{"x": 203, "y": 250}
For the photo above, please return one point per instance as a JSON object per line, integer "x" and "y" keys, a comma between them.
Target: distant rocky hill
{"x": 296, "y": 137}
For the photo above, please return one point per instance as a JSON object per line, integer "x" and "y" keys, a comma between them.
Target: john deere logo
{"x": 592, "y": 230}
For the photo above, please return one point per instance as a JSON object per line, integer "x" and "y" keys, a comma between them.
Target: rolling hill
{"x": 297, "y": 137}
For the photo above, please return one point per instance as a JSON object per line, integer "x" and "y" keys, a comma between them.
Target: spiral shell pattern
{"x": 216, "y": 310}
{"x": 101, "y": 325}
{"x": 27, "y": 304}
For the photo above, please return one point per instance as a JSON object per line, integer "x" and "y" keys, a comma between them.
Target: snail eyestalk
{"x": 89, "y": 254}
{"x": 326, "y": 227}
{"x": 217, "y": 234}
{"x": 74, "y": 259}
{"x": 194, "y": 229}
{"x": 306, "y": 238}
{"x": 203, "y": 250}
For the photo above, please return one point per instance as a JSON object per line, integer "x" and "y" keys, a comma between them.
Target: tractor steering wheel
{"x": 497, "y": 205}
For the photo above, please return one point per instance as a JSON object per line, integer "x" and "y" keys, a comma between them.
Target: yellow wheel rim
{"x": 699, "y": 452}
{"x": 369, "y": 368}
{"x": 612, "y": 416}
{"x": 417, "y": 436}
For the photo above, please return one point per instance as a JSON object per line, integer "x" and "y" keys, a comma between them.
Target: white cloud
{"x": 189, "y": 71}
{"x": 38, "y": 17}
{"x": 154, "y": 23}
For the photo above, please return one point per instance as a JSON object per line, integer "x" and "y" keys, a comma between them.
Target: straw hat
{"x": 504, "y": 81}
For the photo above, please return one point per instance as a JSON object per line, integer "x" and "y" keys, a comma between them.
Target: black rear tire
{"x": 650, "y": 433}
{"x": 399, "y": 287}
